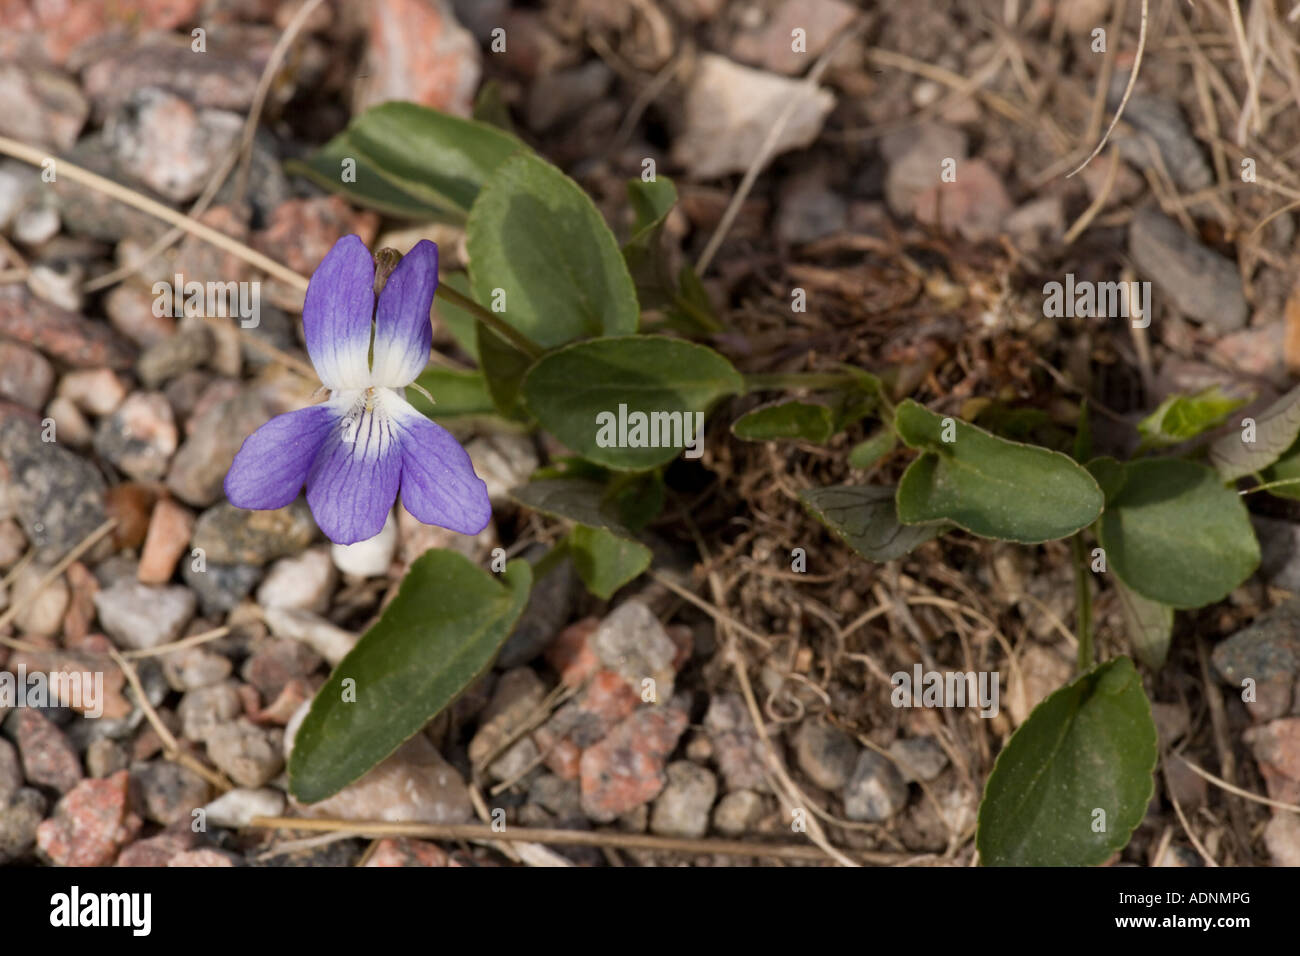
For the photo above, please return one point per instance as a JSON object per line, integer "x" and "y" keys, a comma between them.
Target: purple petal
{"x": 402, "y": 331}
{"x": 353, "y": 482}
{"x": 272, "y": 464}
{"x": 336, "y": 314}
{"x": 439, "y": 485}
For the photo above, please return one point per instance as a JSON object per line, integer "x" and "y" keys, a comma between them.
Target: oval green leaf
{"x": 1150, "y": 626}
{"x": 540, "y": 251}
{"x": 1089, "y": 747}
{"x": 606, "y": 561}
{"x": 628, "y": 403}
{"x": 1176, "y": 535}
{"x": 865, "y": 518}
{"x": 1252, "y": 448}
{"x": 990, "y": 486}
{"x": 791, "y": 419}
{"x": 441, "y": 632}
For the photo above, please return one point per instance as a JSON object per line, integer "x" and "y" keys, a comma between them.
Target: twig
{"x": 1232, "y": 788}
{"x": 86, "y": 543}
{"x": 556, "y": 837}
{"x": 1128, "y": 90}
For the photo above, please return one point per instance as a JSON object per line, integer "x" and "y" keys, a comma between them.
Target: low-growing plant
{"x": 570, "y": 332}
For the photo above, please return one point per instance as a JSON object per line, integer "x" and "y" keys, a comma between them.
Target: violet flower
{"x": 365, "y": 442}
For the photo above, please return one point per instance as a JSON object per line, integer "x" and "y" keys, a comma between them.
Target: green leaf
{"x": 1176, "y": 535}
{"x": 606, "y": 561}
{"x": 441, "y": 632}
{"x": 638, "y": 497}
{"x": 864, "y": 517}
{"x": 788, "y": 419}
{"x": 534, "y": 234}
{"x": 1090, "y": 746}
{"x": 1183, "y": 417}
{"x": 1286, "y": 468}
{"x": 1276, "y": 429}
{"x": 692, "y": 311}
{"x": 456, "y": 394}
{"x": 867, "y": 453}
{"x": 651, "y": 202}
{"x": 1109, "y": 475}
{"x": 443, "y": 159}
{"x": 369, "y": 187}
{"x": 990, "y": 486}
{"x": 579, "y": 500}
{"x": 490, "y": 107}
{"x": 655, "y": 379}
{"x": 1150, "y": 626}
{"x": 504, "y": 367}
{"x": 461, "y": 324}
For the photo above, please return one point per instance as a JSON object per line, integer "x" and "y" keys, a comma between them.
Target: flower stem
{"x": 491, "y": 320}
{"x": 1083, "y": 597}
{"x": 759, "y": 381}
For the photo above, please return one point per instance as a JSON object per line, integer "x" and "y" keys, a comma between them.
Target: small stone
{"x": 403, "y": 851}
{"x": 36, "y": 225}
{"x": 918, "y": 758}
{"x": 557, "y": 795}
{"x": 1276, "y": 746}
{"x": 67, "y": 676}
{"x": 20, "y": 816}
{"x": 140, "y": 437}
{"x": 413, "y": 785}
{"x": 11, "y": 774}
{"x": 130, "y": 310}
{"x": 1171, "y": 720}
{"x": 220, "y": 587}
{"x": 771, "y": 46}
{"x": 736, "y": 746}
{"x": 213, "y": 438}
{"x": 302, "y": 582}
{"x": 169, "y": 791}
{"x": 45, "y": 606}
{"x": 48, "y": 757}
{"x": 236, "y": 808}
{"x": 140, "y": 616}
{"x": 276, "y": 662}
{"x": 302, "y": 231}
{"x": 809, "y": 209}
{"x": 418, "y": 52}
{"x": 41, "y": 106}
{"x": 57, "y": 496}
{"x": 682, "y": 810}
{"x": 975, "y": 205}
{"x": 193, "y": 667}
{"x": 204, "y": 709}
{"x": 105, "y": 757}
{"x": 25, "y": 375}
{"x": 65, "y": 336}
{"x": 369, "y": 558}
{"x": 163, "y": 142}
{"x": 1202, "y": 284}
{"x": 632, "y": 642}
{"x": 825, "y": 753}
{"x": 1161, "y": 140}
{"x": 626, "y": 769}
{"x": 230, "y": 535}
{"x": 96, "y": 391}
{"x": 330, "y": 642}
{"x": 738, "y": 813}
{"x": 518, "y": 694}
{"x": 157, "y": 850}
{"x": 90, "y": 824}
{"x": 168, "y": 536}
{"x": 1281, "y": 836}
{"x": 12, "y": 543}
{"x": 876, "y": 791}
{"x": 729, "y": 110}
{"x": 205, "y": 856}
{"x": 1268, "y": 653}
{"x": 915, "y": 156}
{"x": 189, "y": 348}
{"x": 249, "y": 755}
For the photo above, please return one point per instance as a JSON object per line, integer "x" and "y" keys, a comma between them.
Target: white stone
{"x": 303, "y": 582}
{"x": 330, "y": 642}
{"x": 368, "y": 558}
{"x": 237, "y": 808}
